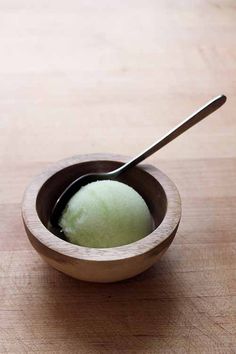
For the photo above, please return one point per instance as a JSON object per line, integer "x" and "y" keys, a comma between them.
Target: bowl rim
{"x": 158, "y": 236}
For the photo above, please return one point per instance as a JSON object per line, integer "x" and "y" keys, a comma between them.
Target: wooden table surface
{"x": 112, "y": 76}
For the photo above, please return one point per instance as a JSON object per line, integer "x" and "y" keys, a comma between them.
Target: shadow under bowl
{"x": 100, "y": 264}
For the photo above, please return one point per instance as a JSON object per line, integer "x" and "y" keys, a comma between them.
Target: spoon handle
{"x": 189, "y": 122}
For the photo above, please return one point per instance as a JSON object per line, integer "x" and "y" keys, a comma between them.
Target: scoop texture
{"x": 106, "y": 214}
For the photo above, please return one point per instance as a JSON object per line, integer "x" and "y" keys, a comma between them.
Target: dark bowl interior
{"x": 143, "y": 182}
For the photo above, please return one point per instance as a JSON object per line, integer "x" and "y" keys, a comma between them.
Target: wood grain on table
{"x": 111, "y": 76}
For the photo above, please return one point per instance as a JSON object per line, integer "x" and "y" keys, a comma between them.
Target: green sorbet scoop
{"x": 106, "y": 214}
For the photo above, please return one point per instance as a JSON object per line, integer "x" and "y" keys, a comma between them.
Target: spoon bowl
{"x": 71, "y": 190}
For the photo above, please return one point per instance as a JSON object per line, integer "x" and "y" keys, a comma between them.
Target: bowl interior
{"x": 144, "y": 183}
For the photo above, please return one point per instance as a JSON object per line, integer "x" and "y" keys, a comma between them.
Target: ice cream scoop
{"x": 106, "y": 214}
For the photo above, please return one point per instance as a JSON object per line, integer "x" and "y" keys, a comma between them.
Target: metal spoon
{"x": 193, "y": 119}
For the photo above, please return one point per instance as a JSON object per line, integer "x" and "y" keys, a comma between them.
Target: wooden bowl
{"x": 101, "y": 264}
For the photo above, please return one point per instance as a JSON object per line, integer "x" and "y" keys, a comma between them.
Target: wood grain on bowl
{"x": 100, "y": 264}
